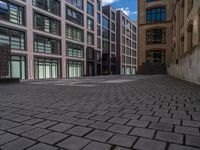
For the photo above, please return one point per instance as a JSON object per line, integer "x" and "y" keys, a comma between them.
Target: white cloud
{"x": 127, "y": 11}
{"x": 107, "y": 2}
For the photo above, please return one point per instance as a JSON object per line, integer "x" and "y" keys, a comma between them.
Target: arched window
{"x": 156, "y": 36}
{"x": 190, "y": 36}
{"x": 189, "y": 5}
{"x": 157, "y": 14}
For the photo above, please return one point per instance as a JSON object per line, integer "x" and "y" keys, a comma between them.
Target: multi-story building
{"x": 126, "y": 44}
{"x": 109, "y": 53}
{"x": 56, "y": 38}
{"x": 186, "y": 40}
{"x": 155, "y": 35}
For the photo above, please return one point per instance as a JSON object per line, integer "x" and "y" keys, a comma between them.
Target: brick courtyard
{"x": 100, "y": 113}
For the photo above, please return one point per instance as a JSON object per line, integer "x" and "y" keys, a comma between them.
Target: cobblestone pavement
{"x": 100, "y": 113}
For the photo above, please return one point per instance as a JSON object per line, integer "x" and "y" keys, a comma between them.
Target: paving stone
{"x": 79, "y": 131}
{"x": 170, "y": 121}
{"x": 138, "y": 123}
{"x": 149, "y": 144}
{"x": 99, "y": 135}
{"x": 142, "y": 132}
{"x": 21, "y": 118}
{"x": 181, "y": 116}
{"x": 33, "y": 121}
{"x": 121, "y": 148}
{"x": 41, "y": 146}
{"x": 118, "y": 120}
{"x": 169, "y": 137}
{"x": 7, "y": 137}
{"x": 191, "y": 123}
{"x": 97, "y": 146}
{"x": 100, "y": 125}
{"x": 120, "y": 129}
{"x": 73, "y": 143}
{"x": 21, "y": 129}
{"x": 53, "y": 137}
{"x": 122, "y": 140}
{"x": 61, "y": 127}
{"x": 161, "y": 126}
{"x": 193, "y": 140}
{"x": 130, "y": 116}
{"x": 18, "y": 144}
{"x": 36, "y": 133}
{"x": 5, "y": 124}
{"x": 83, "y": 122}
{"x": 149, "y": 118}
{"x": 85, "y": 115}
{"x": 162, "y": 114}
{"x": 187, "y": 130}
{"x": 45, "y": 124}
{"x": 181, "y": 147}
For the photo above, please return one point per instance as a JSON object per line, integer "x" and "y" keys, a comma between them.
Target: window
{"x": 46, "y": 24}
{"x": 98, "y": 30}
{"x": 113, "y": 37}
{"x": 190, "y": 37}
{"x": 98, "y": 18}
{"x": 105, "y": 34}
{"x": 134, "y": 45}
{"x": 123, "y": 20}
{"x": 90, "y": 53}
{"x": 134, "y": 61}
{"x": 128, "y": 33}
{"x": 106, "y": 46}
{"x": 128, "y": 25}
{"x": 99, "y": 43}
{"x": 105, "y": 23}
{"x": 74, "y": 69}
{"x": 16, "y": 39}
{"x": 74, "y": 16}
{"x": 90, "y": 9}
{"x": 98, "y": 5}
{"x": 52, "y": 6}
{"x": 128, "y": 42}
{"x": 128, "y": 51}
{"x": 98, "y": 56}
{"x": 90, "y": 24}
{"x": 123, "y": 40}
{"x": 156, "y": 36}
{"x": 155, "y": 56}
{"x": 46, "y": 45}
{"x": 123, "y": 30}
{"x": 189, "y": 5}
{"x": 17, "y": 67}
{"x": 156, "y": 15}
{"x": 133, "y": 37}
{"x": 128, "y": 60}
{"x": 90, "y": 38}
{"x": 12, "y": 12}
{"x": 134, "y": 29}
{"x": 76, "y": 3}
{"x": 134, "y": 53}
{"x": 74, "y": 50}
{"x": 74, "y": 33}
{"x": 123, "y": 49}
{"x": 150, "y": 1}
{"x": 47, "y": 68}
{"x": 182, "y": 14}
{"x": 113, "y": 16}
{"x": 113, "y": 27}
{"x": 113, "y": 48}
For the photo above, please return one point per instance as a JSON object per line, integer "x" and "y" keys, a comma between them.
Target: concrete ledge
{"x": 9, "y": 80}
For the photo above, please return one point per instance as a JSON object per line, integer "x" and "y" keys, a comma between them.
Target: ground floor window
{"x": 47, "y": 68}
{"x": 17, "y": 67}
{"x": 74, "y": 68}
{"x": 155, "y": 56}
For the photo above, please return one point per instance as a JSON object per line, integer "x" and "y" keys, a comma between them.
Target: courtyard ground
{"x": 100, "y": 113}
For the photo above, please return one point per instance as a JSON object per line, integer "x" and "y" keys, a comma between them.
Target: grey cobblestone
{"x": 113, "y": 115}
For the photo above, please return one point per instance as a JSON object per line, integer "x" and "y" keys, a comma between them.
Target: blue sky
{"x": 129, "y": 7}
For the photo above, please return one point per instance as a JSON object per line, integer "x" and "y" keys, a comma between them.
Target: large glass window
{"x": 74, "y": 50}
{"x": 76, "y": 3}
{"x": 155, "y": 56}
{"x": 90, "y": 38}
{"x": 90, "y": 9}
{"x": 74, "y": 68}
{"x": 156, "y": 15}
{"x": 105, "y": 22}
{"x": 74, "y": 33}
{"x": 74, "y": 16}
{"x": 47, "y": 68}
{"x": 12, "y": 37}
{"x": 156, "y": 36}
{"x": 46, "y": 24}
{"x": 17, "y": 67}
{"x": 90, "y": 24}
{"x": 52, "y": 6}
{"x": 46, "y": 45}
{"x": 12, "y": 12}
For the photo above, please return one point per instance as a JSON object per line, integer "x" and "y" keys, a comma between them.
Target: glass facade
{"x": 47, "y": 68}
{"x": 74, "y": 68}
{"x": 46, "y": 24}
{"x": 74, "y": 16}
{"x": 14, "y": 38}
{"x": 47, "y": 45}
{"x": 74, "y": 33}
{"x": 76, "y": 3}
{"x": 74, "y": 50}
{"x": 52, "y": 6}
{"x": 17, "y": 67}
